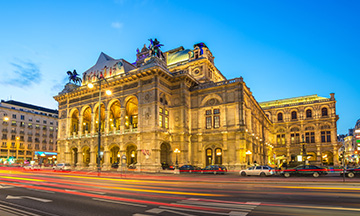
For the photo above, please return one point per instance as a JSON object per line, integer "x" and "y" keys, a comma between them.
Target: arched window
{"x": 293, "y": 115}
{"x": 324, "y": 111}
{"x": 280, "y": 117}
{"x": 308, "y": 113}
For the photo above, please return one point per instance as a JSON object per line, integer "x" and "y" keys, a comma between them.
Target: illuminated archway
{"x": 74, "y": 122}
{"x": 114, "y": 116}
{"x": 102, "y": 118}
{"x": 131, "y": 154}
{"x": 131, "y": 117}
{"x": 86, "y": 125}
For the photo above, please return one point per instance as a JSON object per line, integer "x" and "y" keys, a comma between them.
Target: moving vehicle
{"x": 62, "y": 167}
{"x": 214, "y": 169}
{"x": 304, "y": 170}
{"x": 189, "y": 168}
{"x": 31, "y": 167}
{"x": 115, "y": 165}
{"x": 258, "y": 171}
{"x": 352, "y": 172}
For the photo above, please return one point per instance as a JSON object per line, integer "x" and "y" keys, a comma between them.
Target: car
{"x": 258, "y": 171}
{"x": 304, "y": 170}
{"x": 115, "y": 165}
{"x": 132, "y": 166}
{"x": 214, "y": 169}
{"x": 189, "y": 168}
{"x": 31, "y": 167}
{"x": 352, "y": 172}
{"x": 62, "y": 167}
{"x": 166, "y": 166}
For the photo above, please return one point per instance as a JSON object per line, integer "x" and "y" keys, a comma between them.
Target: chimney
{"x": 332, "y": 96}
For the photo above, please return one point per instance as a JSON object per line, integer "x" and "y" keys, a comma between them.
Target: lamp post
{"x": 100, "y": 78}
{"x": 303, "y": 150}
{"x": 248, "y": 153}
{"x": 176, "y": 151}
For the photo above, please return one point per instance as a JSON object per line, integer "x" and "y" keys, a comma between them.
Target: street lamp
{"x": 100, "y": 78}
{"x": 176, "y": 151}
{"x": 303, "y": 150}
{"x": 248, "y": 153}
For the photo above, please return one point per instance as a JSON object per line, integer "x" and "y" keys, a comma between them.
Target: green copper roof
{"x": 291, "y": 101}
{"x": 176, "y": 57}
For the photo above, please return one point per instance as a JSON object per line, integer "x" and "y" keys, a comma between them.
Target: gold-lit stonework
{"x": 177, "y": 100}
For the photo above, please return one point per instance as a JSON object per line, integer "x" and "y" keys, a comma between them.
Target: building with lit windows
{"x": 304, "y": 129}
{"x": 28, "y": 133}
{"x": 167, "y": 107}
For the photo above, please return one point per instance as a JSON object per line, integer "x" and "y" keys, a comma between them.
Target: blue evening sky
{"x": 282, "y": 49}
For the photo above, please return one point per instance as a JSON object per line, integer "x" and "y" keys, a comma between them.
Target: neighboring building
{"x": 175, "y": 100}
{"x": 28, "y": 133}
{"x": 304, "y": 127}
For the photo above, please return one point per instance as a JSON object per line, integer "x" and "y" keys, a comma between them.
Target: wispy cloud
{"x": 117, "y": 25}
{"x": 25, "y": 74}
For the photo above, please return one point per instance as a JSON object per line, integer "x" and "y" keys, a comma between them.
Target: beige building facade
{"x": 175, "y": 102}
{"x": 28, "y": 133}
{"x": 305, "y": 129}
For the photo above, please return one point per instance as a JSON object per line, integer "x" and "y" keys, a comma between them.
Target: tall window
{"x": 212, "y": 118}
{"x": 163, "y": 118}
{"x": 324, "y": 112}
{"x": 294, "y": 135}
{"x": 308, "y": 113}
{"x": 325, "y": 136}
{"x": 293, "y": 115}
{"x": 280, "y": 117}
{"x": 280, "y": 139}
{"x": 309, "y": 134}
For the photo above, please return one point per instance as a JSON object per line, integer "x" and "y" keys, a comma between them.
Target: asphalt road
{"x": 48, "y": 193}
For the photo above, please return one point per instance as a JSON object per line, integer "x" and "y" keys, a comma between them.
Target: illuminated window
{"x": 280, "y": 139}
{"x": 216, "y": 111}
{"x": 163, "y": 118}
{"x": 160, "y": 120}
{"x": 208, "y": 112}
{"x": 216, "y": 121}
{"x": 208, "y": 122}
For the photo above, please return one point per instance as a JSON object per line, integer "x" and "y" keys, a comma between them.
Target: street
{"x": 80, "y": 193}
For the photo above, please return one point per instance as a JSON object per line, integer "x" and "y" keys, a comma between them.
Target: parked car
{"x": 304, "y": 170}
{"x": 352, "y": 172}
{"x": 115, "y": 165}
{"x": 258, "y": 171}
{"x": 166, "y": 166}
{"x": 132, "y": 166}
{"x": 31, "y": 167}
{"x": 214, "y": 169}
{"x": 62, "y": 167}
{"x": 189, "y": 168}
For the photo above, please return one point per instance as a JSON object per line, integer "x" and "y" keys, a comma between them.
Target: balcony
{"x": 13, "y": 124}
{"x": 13, "y": 131}
{"x": 5, "y": 123}
{"x": 4, "y": 130}
{"x": 22, "y": 132}
{"x": 30, "y": 126}
{"x": 37, "y": 134}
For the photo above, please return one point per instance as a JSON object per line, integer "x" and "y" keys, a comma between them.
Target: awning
{"x": 45, "y": 154}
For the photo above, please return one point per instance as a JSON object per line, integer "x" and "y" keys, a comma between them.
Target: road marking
{"x": 243, "y": 207}
{"x": 137, "y": 214}
{"x": 14, "y": 211}
{"x": 45, "y": 191}
{"x": 193, "y": 210}
{"x": 27, "y": 197}
{"x": 5, "y": 187}
{"x": 119, "y": 202}
{"x": 158, "y": 211}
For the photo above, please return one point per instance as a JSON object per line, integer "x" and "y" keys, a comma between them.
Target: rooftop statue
{"x": 73, "y": 76}
{"x": 155, "y": 48}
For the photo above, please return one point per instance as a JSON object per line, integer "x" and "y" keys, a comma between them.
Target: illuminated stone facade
{"x": 178, "y": 100}
{"x": 27, "y": 129}
{"x": 304, "y": 126}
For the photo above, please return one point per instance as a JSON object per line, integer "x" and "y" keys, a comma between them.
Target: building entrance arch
{"x": 213, "y": 155}
{"x": 74, "y": 156}
{"x": 165, "y": 153}
{"x": 114, "y": 154}
{"x": 131, "y": 154}
{"x": 86, "y": 155}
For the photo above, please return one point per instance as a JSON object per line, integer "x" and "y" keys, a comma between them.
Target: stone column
{"x": 122, "y": 119}
{"x": 92, "y": 164}
{"x": 80, "y": 164}
{"x": 106, "y": 158}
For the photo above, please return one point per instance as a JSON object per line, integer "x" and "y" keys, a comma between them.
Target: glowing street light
{"x": 176, "y": 151}
{"x": 100, "y": 78}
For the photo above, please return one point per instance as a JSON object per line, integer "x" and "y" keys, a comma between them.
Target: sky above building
{"x": 282, "y": 49}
